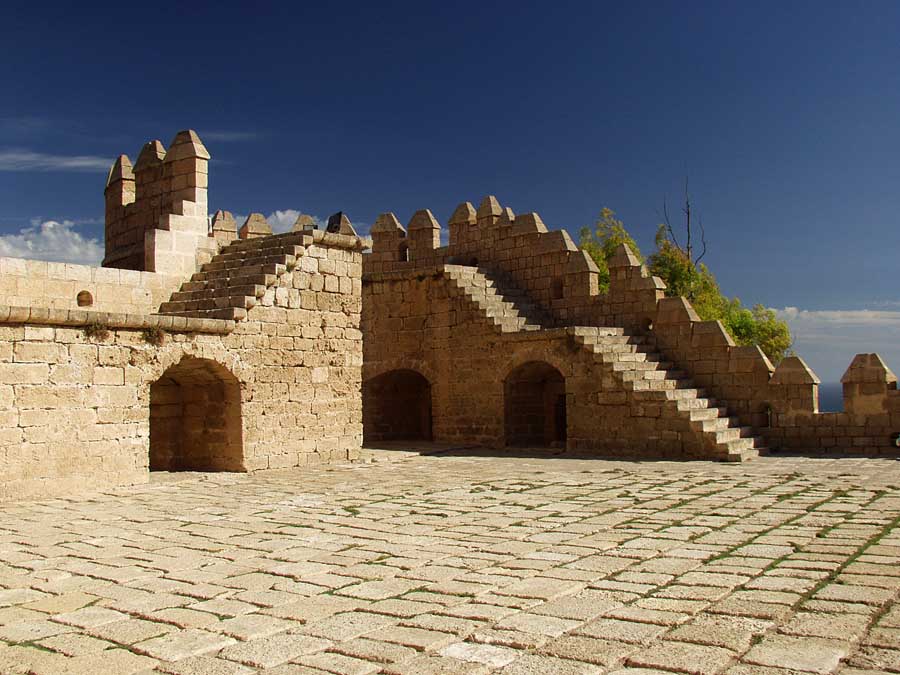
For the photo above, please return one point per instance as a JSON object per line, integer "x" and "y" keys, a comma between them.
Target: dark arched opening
{"x": 535, "y": 406}
{"x": 195, "y": 418}
{"x": 397, "y": 406}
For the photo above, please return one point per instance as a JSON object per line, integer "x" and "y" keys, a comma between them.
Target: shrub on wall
{"x": 693, "y": 280}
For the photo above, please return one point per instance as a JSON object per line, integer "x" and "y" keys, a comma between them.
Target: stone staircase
{"x": 237, "y": 277}
{"x": 509, "y": 308}
{"x": 642, "y": 370}
{"x": 633, "y": 358}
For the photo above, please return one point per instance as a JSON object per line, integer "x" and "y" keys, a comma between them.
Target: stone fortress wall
{"x": 197, "y": 346}
{"x": 629, "y": 371}
{"x": 207, "y": 346}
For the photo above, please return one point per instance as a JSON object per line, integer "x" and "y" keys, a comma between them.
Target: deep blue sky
{"x": 785, "y": 115}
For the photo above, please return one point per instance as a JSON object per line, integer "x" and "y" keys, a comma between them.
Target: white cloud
{"x": 54, "y": 241}
{"x": 829, "y": 339}
{"x": 842, "y": 316}
{"x": 283, "y": 220}
{"x": 28, "y": 160}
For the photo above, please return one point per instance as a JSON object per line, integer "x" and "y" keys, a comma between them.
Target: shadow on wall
{"x": 397, "y": 406}
{"x": 195, "y": 418}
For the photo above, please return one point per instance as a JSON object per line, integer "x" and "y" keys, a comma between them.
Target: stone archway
{"x": 397, "y": 406}
{"x": 534, "y": 402}
{"x": 195, "y": 418}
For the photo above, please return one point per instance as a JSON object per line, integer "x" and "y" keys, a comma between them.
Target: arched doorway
{"x": 195, "y": 418}
{"x": 397, "y": 406}
{"x": 534, "y": 396}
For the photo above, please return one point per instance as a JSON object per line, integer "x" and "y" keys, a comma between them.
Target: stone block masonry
{"x": 205, "y": 345}
{"x": 248, "y": 360}
{"x": 506, "y": 337}
{"x": 156, "y": 211}
{"x": 277, "y": 389}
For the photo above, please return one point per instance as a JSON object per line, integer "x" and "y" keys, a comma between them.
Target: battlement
{"x": 516, "y": 260}
{"x": 545, "y": 263}
{"x": 156, "y": 210}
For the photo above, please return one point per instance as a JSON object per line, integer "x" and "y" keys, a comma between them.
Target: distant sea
{"x": 831, "y": 397}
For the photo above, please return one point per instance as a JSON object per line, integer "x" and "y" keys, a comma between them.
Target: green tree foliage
{"x": 693, "y": 280}
{"x": 603, "y": 242}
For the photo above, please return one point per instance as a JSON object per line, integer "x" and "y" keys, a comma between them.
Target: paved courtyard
{"x": 464, "y": 563}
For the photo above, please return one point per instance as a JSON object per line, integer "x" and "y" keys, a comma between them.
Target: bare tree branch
{"x": 687, "y": 218}
{"x": 703, "y": 240}
{"x": 688, "y": 211}
{"x": 669, "y": 227}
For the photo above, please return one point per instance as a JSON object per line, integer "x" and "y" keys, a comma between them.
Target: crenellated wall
{"x": 555, "y": 273}
{"x": 780, "y": 403}
{"x": 156, "y": 211}
{"x": 484, "y": 381}
{"x": 869, "y": 424}
{"x": 82, "y": 392}
{"x": 198, "y": 345}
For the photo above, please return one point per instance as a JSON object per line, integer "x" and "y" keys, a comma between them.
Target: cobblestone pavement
{"x": 464, "y": 564}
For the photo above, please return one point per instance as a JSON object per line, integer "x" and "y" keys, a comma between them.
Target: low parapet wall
{"x": 869, "y": 423}
{"x": 64, "y": 286}
{"x": 782, "y": 402}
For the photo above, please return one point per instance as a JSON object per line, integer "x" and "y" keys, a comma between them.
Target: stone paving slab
{"x": 464, "y": 562}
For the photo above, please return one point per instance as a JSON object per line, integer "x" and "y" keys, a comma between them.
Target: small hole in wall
{"x": 84, "y": 299}
{"x": 403, "y": 252}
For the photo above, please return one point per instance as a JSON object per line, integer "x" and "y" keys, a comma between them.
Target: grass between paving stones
{"x": 830, "y": 578}
{"x": 638, "y": 497}
{"x": 682, "y": 502}
{"x": 872, "y": 541}
{"x": 30, "y": 644}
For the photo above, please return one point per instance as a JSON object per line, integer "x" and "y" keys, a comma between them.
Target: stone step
{"x": 241, "y": 281}
{"x": 618, "y": 339}
{"x": 243, "y": 270}
{"x": 741, "y": 450}
{"x": 231, "y": 282}
{"x": 278, "y": 259}
{"x": 251, "y": 291}
{"x": 705, "y": 413}
{"x": 283, "y": 239}
{"x": 714, "y": 425}
{"x": 685, "y": 394}
{"x": 729, "y": 434}
{"x": 272, "y": 253}
{"x": 497, "y": 300}
{"x": 635, "y": 359}
{"x": 506, "y": 307}
{"x": 220, "y": 302}
{"x": 227, "y": 261}
{"x": 596, "y": 331}
{"x": 678, "y": 376}
{"x": 619, "y": 348}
